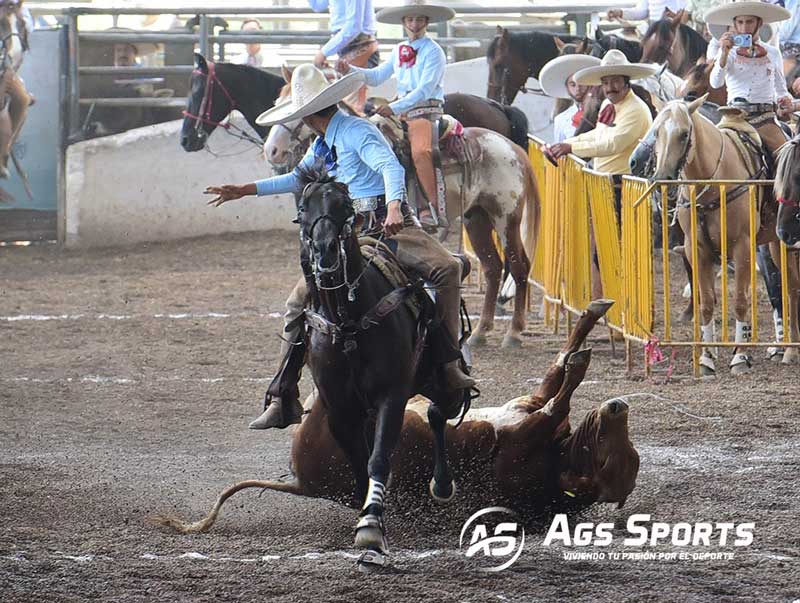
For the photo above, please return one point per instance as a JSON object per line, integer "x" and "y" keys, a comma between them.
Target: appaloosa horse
{"x": 493, "y": 191}
{"x": 684, "y": 144}
{"x": 216, "y": 89}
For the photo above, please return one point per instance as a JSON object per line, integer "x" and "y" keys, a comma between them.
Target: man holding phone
{"x": 752, "y": 72}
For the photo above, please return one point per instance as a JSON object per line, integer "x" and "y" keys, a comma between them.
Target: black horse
{"x": 216, "y": 89}
{"x": 366, "y": 360}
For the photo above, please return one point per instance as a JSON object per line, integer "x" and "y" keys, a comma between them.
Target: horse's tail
{"x": 170, "y": 521}
{"x": 519, "y": 126}
{"x": 531, "y": 214}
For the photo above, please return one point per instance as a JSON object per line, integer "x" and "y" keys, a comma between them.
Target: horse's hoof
{"x": 370, "y": 535}
{"x": 741, "y": 364}
{"x": 790, "y": 356}
{"x": 686, "y": 316}
{"x": 776, "y": 354}
{"x": 706, "y": 372}
{"x": 511, "y": 342}
{"x": 477, "y": 340}
{"x": 500, "y": 310}
{"x": 372, "y": 561}
{"x": 438, "y": 494}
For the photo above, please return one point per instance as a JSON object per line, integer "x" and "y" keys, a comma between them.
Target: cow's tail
{"x": 174, "y": 523}
{"x": 519, "y": 125}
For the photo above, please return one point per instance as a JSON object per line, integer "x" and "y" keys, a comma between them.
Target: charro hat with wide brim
{"x": 436, "y": 13}
{"x": 310, "y": 92}
{"x": 553, "y": 76}
{"x": 614, "y": 63}
{"x": 725, "y": 14}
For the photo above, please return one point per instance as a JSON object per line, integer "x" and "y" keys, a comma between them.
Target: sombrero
{"x": 553, "y": 76}
{"x": 311, "y": 92}
{"x": 725, "y": 14}
{"x": 435, "y": 12}
{"x": 614, "y": 63}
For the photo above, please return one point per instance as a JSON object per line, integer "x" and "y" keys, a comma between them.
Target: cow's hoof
{"x": 790, "y": 356}
{"x": 599, "y": 307}
{"x": 372, "y": 561}
{"x": 440, "y": 494}
{"x": 477, "y": 340}
{"x": 511, "y": 342}
{"x": 370, "y": 535}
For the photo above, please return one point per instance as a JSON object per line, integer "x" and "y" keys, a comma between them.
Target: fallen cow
{"x": 523, "y": 454}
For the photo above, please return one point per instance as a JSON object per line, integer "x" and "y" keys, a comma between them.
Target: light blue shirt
{"x": 790, "y": 29}
{"x": 364, "y": 162}
{"x": 421, "y": 82}
{"x": 348, "y": 18}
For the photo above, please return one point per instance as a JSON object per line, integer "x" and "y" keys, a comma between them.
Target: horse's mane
{"x": 255, "y": 73}
{"x": 784, "y": 165}
{"x": 661, "y": 28}
{"x": 693, "y": 43}
{"x": 519, "y": 126}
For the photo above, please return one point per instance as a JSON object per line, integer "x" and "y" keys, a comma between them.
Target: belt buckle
{"x": 365, "y": 204}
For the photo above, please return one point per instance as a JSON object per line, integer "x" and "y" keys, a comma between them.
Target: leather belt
{"x": 752, "y": 108}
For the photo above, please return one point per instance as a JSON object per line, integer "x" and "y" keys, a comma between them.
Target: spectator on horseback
{"x": 353, "y": 30}
{"x": 650, "y": 10}
{"x": 751, "y": 71}
{"x": 419, "y": 66}
{"x": 624, "y": 118}
{"x": 556, "y": 79}
{"x": 355, "y": 153}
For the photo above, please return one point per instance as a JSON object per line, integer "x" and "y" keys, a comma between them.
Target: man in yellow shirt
{"x": 623, "y": 119}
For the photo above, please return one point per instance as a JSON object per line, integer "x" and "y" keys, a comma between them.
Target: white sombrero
{"x": 411, "y": 8}
{"x": 311, "y": 92}
{"x": 614, "y": 63}
{"x": 553, "y": 76}
{"x": 725, "y": 14}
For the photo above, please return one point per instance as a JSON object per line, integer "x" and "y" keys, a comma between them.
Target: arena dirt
{"x": 134, "y": 395}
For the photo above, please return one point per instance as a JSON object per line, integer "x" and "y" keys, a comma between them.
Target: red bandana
{"x": 607, "y": 115}
{"x": 408, "y": 56}
{"x": 576, "y": 119}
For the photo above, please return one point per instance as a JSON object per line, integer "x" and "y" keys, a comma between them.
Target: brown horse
{"x": 670, "y": 41}
{"x": 697, "y": 82}
{"x": 14, "y": 43}
{"x": 686, "y": 145}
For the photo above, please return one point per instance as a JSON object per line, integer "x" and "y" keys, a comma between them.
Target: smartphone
{"x": 743, "y": 40}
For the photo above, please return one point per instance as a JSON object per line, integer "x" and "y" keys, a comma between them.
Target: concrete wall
{"x": 142, "y": 186}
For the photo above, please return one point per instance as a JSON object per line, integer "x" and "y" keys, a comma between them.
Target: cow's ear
{"x": 200, "y": 62}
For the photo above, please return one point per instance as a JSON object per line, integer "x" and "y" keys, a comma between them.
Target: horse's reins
{"x": 204, "y": 113}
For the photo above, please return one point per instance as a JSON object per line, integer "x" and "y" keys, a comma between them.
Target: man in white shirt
{"x": 253, "y": 56}
{"x": 557, "y": 81}
{"x": 650, "y": 10}
{"x": 753, "y": 74}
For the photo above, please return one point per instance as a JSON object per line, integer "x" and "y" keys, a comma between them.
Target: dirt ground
{"x": 127, "y": 378}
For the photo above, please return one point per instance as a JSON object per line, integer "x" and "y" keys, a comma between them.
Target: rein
{"x": 204, "y": 113}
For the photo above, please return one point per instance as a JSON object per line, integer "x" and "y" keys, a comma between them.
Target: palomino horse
{"x": 216, "y": 89}
{"x": 16, "y": 99}
{"x": 686, "y": 145}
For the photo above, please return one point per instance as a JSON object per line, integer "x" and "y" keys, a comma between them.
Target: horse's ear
{"x": 502, "y": 32}
{"x": 697, "y": 103}
{"x": 583, "y": 47}
{"x": 200, "y": 62}
{"x": 286, "y": 73}
{"x": 559, "y": 43}
{"x": 676, "y": 19}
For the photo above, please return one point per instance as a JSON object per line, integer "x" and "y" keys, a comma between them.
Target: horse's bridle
{"x": 204, "y": 113}
{"x": 297, "y": 151}
{"x": 502, "y": 86}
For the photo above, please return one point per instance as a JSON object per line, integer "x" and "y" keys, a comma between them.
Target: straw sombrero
{"x": 435, "y": 12}
{"x": 553, "y": 76}
{"x": 311, "y": 92}
{"x": 614, "y": 63}
{"x": 725, "y": 14}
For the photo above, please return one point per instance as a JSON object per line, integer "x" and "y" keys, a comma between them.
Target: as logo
{"x": 494, "y": 537}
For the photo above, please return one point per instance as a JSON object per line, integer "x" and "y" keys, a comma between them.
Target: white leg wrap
{"x": 778, "y": 320}
{"x": 562, "y": 358}
{"x": 709, "y": 332}
{"x": 743, "y": 332}
{"x": 687, "y": 291}
{"x": 375, "y": 493}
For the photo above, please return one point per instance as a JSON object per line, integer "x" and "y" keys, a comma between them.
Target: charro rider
{"x": 355, "y": 152}
{"x": 419, "y": 65}
{"x": 624, "y": 118}
{"x": 353, "y": 31}
{"x": 753, "y": 74}
{"x": 556, "y": 79}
